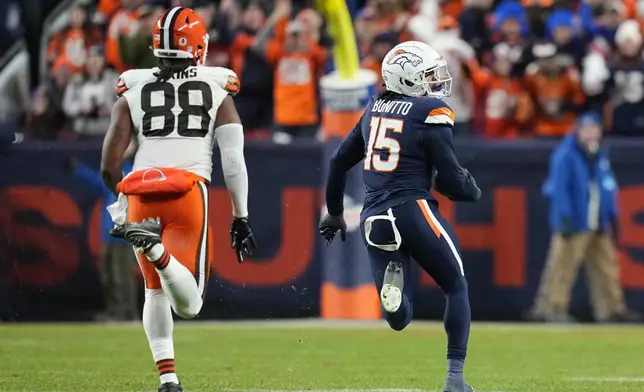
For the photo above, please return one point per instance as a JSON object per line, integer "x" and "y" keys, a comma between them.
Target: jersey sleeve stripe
{"x": 441, "y": 119}
{"x": 232, "y": 85}
{"x": 441, "y": 115}
{"x": 121, "y": 87}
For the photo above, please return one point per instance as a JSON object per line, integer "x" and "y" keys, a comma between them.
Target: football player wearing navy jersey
{"x": 404, "y": 139}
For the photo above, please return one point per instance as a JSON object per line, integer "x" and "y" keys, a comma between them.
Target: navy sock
{"x": 457, "y": 324}
{"x": 455, "y": 367}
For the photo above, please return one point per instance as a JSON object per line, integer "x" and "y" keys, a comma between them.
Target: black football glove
{"x": 329, "y": 225}
{"x": 242, "y": 238}
{"x": 437, "y": 186}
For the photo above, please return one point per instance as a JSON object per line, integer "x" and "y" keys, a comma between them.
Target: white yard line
{"x": 607, "y": 379}
{"x": 324, "y": 390}
{"x": 318, "y": 323}
{"x": 339, "y": 390}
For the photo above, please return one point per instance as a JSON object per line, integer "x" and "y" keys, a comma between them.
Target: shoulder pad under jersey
{"x": 225, "y": 78}
{"x": 436, "y": 112}
{"x": 129, "y": 79}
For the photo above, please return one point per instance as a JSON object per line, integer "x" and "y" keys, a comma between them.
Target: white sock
{"x": 177, "y": 282}
{"x": 158, "y": 325}
{"x": 155, "y": 252}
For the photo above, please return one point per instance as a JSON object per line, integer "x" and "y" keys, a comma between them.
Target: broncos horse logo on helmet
{"x": 181, "y": 33}
{"x": 415, "y": 69}
{"x": 402, "y": 58}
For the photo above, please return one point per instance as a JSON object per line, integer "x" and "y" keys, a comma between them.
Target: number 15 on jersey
{"x": 380, "y": 142}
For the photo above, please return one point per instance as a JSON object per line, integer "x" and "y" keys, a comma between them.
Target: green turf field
{"x": 278, "y": 357}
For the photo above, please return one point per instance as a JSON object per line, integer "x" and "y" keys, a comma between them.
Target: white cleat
{"x": 391, "y": 292}
{"x": 391, "y": 298}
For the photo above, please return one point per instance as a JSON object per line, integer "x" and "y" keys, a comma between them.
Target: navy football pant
{"x": 429, "y": 239}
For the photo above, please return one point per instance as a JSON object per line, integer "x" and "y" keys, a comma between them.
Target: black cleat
{"x": 170, "y": 387}
{"x": 118, "y": 231}
{"x": 626, "y": 317}
{"x": 145, "y": 234}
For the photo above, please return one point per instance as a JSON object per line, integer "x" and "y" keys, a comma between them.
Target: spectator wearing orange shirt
{"x": 255, "y": 99}
{"x": 123, "y": 23}
{"x": 381, "y": 16}
{"x": 107, "y": 8}
{"x": 298, "y": 63}
{"x": 135, "y": 50}
{"x": 68, "y": 48}
{"x": 311, "y": 23}
{"x": 555, "y": 91}
{"x": 380, "y": 46}
{"x": 451, "y": 8}
{"x": 507, "y": 106}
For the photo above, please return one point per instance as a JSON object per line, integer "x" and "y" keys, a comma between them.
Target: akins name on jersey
{"x": 223, "y": 77}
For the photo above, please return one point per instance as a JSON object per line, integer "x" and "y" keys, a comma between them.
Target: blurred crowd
{"x": 521, "y": 68}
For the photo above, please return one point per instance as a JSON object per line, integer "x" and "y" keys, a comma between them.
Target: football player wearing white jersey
{"x": 176, "y": 111}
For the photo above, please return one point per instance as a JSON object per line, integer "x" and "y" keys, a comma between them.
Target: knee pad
{"x": 190, "y": 310}
{"x": 396, "y": 323}
{"x": 459, "y": 285}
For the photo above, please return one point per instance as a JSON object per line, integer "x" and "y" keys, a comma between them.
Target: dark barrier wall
{"x": 51, "y": 240}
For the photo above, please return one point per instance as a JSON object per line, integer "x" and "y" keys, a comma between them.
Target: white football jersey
{"x": 174, "y": 120}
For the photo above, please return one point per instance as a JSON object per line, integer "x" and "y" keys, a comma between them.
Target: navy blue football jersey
{"x": 626, "y": 87}
{"x": 401, "y": 141}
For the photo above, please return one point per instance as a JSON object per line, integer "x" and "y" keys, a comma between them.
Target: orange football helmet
{"x": 181, "y": 33}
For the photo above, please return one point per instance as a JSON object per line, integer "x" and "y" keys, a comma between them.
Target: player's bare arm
{"x": 116, "y": 141}
{"x": 229, "y": 134}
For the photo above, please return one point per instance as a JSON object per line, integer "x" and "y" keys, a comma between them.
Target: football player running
{"x": 405, "y": 140}
{"x": 176, "y": 111}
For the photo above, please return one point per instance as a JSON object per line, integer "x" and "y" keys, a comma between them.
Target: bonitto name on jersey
{"x": 392, "y": 107}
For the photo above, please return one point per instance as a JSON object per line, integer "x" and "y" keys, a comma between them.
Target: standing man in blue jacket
{"x": 584, "y": 220}
{"x": 117, "y": 262}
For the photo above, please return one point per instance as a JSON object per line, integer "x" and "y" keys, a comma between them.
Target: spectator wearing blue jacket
{"x": 583, "y": 196}
{"x": 117, "y": 259}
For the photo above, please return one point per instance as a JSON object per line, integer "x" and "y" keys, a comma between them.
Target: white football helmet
{"x": 415, "y": 69}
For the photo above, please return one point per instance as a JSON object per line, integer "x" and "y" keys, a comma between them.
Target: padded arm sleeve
{"x": 230, "y": 138}
{"x": 451, "y": 180}
{"x": 348, "y": 154}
